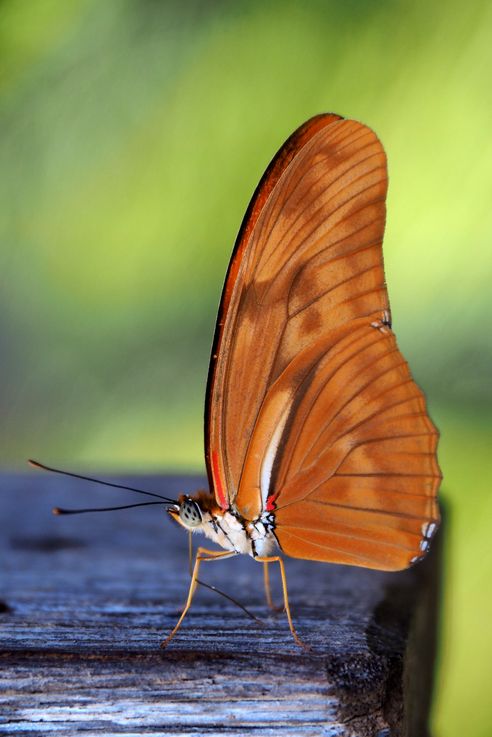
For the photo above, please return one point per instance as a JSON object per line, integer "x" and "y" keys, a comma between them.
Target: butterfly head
{"x": 187, "y": 512}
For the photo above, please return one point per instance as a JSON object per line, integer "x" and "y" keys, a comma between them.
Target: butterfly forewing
{"x": 312, "y": 412}
{"x": 218, "y": 471}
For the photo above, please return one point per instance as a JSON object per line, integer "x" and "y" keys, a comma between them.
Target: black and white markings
{"x": 428, "y": 531}
{"x": 190, "y": 513}
{"x": 384, "y": 322}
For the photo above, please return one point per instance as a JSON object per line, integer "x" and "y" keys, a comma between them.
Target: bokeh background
{"x": 133, "y": 133}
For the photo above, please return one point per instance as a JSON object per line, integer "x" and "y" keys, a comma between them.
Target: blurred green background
{"x": 133, "y": 133}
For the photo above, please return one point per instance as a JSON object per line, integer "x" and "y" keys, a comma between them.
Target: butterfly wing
{"x": 312, "y": 412}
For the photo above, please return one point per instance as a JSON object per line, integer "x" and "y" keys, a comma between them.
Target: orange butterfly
{"x": 318, "y": 440}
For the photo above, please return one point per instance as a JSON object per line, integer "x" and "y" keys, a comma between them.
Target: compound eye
{"x": 190, "y": 513}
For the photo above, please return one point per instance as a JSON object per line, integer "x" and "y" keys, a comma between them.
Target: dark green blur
{"x": 132, "y": 134}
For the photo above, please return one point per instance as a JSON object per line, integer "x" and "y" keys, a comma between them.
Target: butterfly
{"x": 318, "y": 443}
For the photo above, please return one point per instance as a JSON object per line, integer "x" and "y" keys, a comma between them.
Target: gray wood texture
{"x": 86, "y": 600}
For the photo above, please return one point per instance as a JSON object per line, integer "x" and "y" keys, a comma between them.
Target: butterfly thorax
{"x": 226, "y": 528}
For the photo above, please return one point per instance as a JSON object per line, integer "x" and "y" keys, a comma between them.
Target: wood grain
{"x": 86, "y": 601}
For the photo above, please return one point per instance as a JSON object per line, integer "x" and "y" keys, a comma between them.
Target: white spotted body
{"x": 227, "y": 529}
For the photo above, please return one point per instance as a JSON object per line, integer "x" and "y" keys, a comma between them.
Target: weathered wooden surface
{"x": 86, "y": 601}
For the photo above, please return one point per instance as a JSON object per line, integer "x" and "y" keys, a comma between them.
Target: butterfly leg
{"x": 268, "y": 591}
{"x": 278, "y": 559}
{"x": 202, "y": 556}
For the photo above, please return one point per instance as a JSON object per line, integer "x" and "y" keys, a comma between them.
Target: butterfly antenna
{"x": 37, "y": 464}
{"x": 59, "y": 510}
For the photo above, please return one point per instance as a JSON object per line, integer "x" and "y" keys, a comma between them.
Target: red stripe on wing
{"x": 218, "y": 487}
